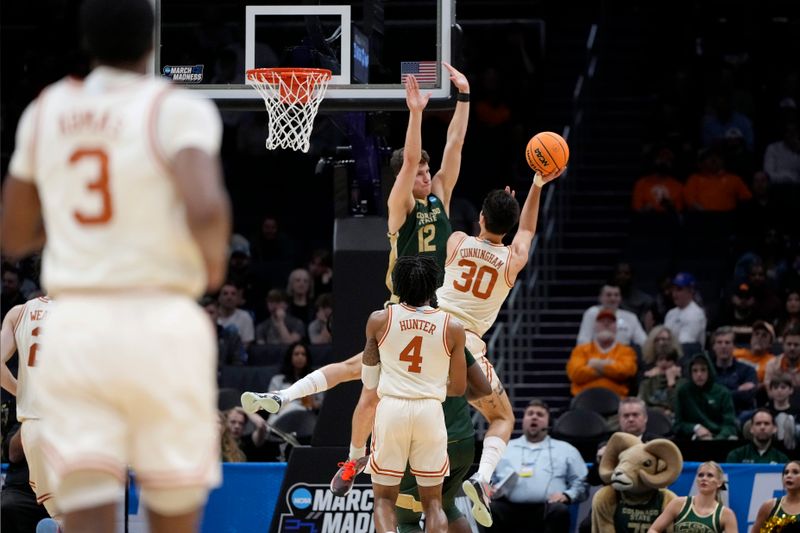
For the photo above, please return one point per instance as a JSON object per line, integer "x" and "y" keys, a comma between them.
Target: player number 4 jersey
{"x": 415, "y": 357}
{"x": 476, "y": 283}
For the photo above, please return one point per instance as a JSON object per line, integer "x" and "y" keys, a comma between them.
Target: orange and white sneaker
{"x": 345, "y": 477}
{"x": 479, "y": 493}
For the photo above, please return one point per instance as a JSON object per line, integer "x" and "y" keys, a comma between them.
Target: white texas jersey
{"x": 26, "y": 332}
{"x": 476, "y": 283}
{"x": 415, "y": 358}
{"x": 98, "y": 152}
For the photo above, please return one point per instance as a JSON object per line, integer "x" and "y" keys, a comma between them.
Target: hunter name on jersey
{"x": 414, "y": 323}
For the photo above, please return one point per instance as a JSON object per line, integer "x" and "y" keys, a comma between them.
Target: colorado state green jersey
{"x": 689, "y": 522}
{"x": 630, "y": 518}
{"x": 424, "y": 232}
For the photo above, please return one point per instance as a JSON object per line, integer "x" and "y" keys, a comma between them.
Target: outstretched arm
{"x": 401, "y": 198}
{"x": 447, "y": 176}
{"x": 9, "y": 345}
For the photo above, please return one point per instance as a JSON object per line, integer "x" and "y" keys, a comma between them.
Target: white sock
{"x": 493, "y": 449}
{"x": 357, "y": 452}
{"x": 311, "y": 384}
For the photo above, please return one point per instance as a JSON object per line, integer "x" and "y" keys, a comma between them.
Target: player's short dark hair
{"x": 500, "y": 211}
{"x": 117, "y": 31}
{"x": 414, "y": 279}
{"x": 396, "y": 162}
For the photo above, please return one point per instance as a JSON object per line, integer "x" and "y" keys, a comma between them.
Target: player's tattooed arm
{"x": 371, "y": 355}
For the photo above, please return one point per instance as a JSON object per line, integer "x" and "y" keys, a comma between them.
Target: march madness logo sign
{"x": 183, "y": 73}
{"x": 314, "y": 509}
{"x": 306, "y": 503}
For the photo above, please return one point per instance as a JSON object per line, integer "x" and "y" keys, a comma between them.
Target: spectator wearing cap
{"x": 760, "y": 351}
{"x": 603, "y": 362}
{"x": 703, "y": 408}
{"x": 782, "y": 158}
{"x": 629, "y": 329}
{"x": 712, "y": 189}
{"x": 788, "y": 362}
{"x": 686, "y": 320}
{"x": 739, "y": 378}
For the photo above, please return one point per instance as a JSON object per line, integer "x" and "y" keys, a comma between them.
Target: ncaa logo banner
{"x": 314, "y": 509}
{"x": 183, "y": 73}
{"x": 306, "y": 504}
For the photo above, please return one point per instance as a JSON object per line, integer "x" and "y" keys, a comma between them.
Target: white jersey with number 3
{"x": 26, "y": 334}
{"x": 476, "y": 283}
{"x": 99, "y": 152}
{"x": 415, "y": 357}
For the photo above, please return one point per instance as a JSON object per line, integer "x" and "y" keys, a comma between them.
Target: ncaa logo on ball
{"x": 301, "y": 498}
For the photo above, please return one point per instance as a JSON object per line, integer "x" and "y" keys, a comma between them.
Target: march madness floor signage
{"x": 305, "y": 503}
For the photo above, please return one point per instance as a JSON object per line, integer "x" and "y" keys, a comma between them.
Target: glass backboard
{"x": 367, "y": 44}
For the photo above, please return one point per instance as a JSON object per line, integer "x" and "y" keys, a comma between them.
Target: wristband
{"x": 463, "y": 97}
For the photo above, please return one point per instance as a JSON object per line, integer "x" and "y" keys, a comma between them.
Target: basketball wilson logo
{"x": 183, "y": 73}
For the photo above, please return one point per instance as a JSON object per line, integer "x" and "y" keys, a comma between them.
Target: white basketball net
{"x": 292, "y": 99}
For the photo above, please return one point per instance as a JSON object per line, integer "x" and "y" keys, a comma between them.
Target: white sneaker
{"x": 268, "y": 401}
{"x": 478, "y": 492}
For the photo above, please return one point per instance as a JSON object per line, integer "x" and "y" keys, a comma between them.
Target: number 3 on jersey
{"x": 413, "y": 354}
{"x": 99, "y": 185}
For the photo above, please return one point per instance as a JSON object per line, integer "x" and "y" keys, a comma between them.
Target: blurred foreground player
{"x": 124, "y": 170}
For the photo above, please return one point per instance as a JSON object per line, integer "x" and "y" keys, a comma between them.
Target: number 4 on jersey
{"x": 413, "y": 354}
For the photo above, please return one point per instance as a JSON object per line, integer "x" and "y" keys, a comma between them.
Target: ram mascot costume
{"x": 636, "y": 475}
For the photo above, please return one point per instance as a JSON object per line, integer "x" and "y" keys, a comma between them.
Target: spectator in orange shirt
{"x": 602, "y": 362}
{"x": 760, "y": 351}
{"x": 658, "y": 192}
{"x": 712, "y": 188}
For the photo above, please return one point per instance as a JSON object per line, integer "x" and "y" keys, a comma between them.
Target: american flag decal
{"x": 424, "y": 71}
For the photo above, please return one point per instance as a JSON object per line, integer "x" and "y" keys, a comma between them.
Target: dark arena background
{"x": 682, "y": 124}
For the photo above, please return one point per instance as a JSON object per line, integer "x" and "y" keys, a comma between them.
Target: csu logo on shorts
{"x": 301, "y": 498}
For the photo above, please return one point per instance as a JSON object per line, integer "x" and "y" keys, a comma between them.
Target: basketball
{"x": 547, "y": 152}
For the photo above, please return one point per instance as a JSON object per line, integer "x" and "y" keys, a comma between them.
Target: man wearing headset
{"x": 537, "y": 478}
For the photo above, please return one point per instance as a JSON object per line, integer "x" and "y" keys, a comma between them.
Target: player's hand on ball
{"x": 541, "y": 179}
